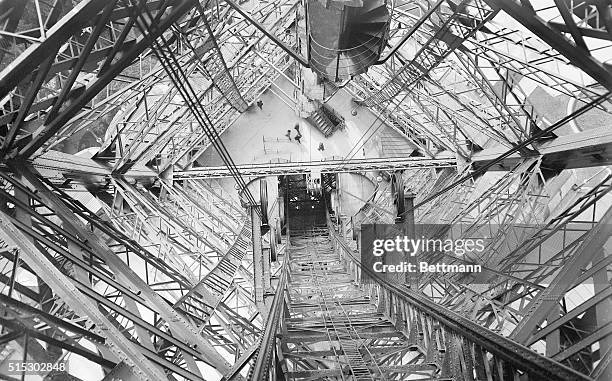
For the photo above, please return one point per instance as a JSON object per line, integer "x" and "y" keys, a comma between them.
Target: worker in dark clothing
{"x": 288, "y": 134}
{"x": 298, "y": 137}
{"x": 297, "y": 128}
{"x": 321, "y": 147}
{"x": 260, "y": 104}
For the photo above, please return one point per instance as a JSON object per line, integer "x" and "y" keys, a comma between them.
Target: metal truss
{"x": 324, "y": 166}
{"x": 181, "y": 226}
{"x": 545, "y": 249}
{"x": 524, "y": 55}
{"x": 576, "y": 30}
{"x": 166, "y": 276}
{"x": 448, "y": 109}
{"x": 196, "y": 233}
{"x": 92, "y": 31}
{"x": 468, "y": 106}
{"x": 144, "y": 141}
{"x": 451, "y": 29}
{"x": 158, "y": 310}
{"x": 155, "y": 129}
{"x": 379, "y": 330}
{"x": 258, "y": 65}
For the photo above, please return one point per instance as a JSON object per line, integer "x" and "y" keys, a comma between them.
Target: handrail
{"x": 344, "y": 66}
{"x": 519, "y": 356}
{"x": 336, "y": 50}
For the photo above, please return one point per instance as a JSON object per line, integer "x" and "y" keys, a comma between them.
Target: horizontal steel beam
{"x": 591, "y": 148}
{"x": 324, "y": 166}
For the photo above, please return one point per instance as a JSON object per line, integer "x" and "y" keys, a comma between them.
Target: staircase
{"x": 320, "y": 120}
{"x": 450, "y": 32}
{"x": 325, "y": 119}
{"x": 345, "y": 39}
{"x": 367, "y": 34}
{"x": 394, "y": 145}
{"x": 205, "y": 297}
{"x": 220, "y": 75}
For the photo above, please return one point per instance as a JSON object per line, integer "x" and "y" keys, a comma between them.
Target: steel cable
{"x": 180, "y": 80}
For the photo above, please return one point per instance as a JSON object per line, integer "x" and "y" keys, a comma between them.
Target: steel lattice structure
{"x": 137, "y": 263}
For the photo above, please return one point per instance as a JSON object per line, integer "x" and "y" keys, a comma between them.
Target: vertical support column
{"x": 396, "y": 257}
{"x": 266, "y": 267}
{"x": 339, "y": 209}
{"x": 333, "y": 203}
{"x": 258, "y": 267}
{"x": 273, "y": 248}
{"x": 412, "y": 278}
{"x": 278, "y": 231}
{"x": 281, "y": 212}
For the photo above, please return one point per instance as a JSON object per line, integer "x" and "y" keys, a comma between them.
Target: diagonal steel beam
{"x": 523, "y": 12}
{"x": 538, "y": 308}
{"x": 178, "y": 325}
{"x": 11, "y": 77}
{"x": 117, "y": 342}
